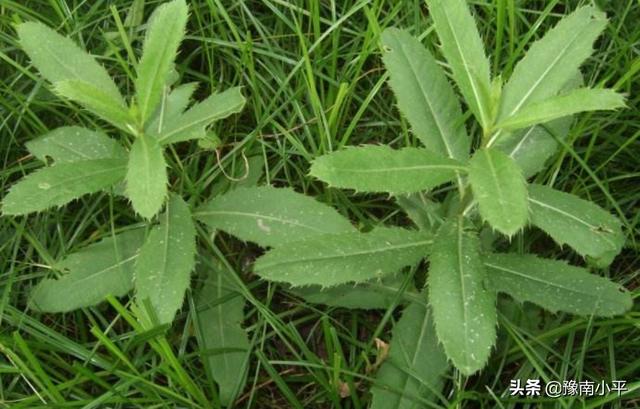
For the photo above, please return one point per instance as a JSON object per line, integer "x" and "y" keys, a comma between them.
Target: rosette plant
{"x": 482, "y": 199}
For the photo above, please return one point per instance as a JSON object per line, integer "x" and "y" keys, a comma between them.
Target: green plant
{"x": 518, "y": 123}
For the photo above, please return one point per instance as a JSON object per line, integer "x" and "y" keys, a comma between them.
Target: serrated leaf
{"x": 587, "y": 228}
{"x": 378, "y": 168}
{"x": 500, "y": 190}
{"x": 73, "y": 143}
{"x": 270, "y": 216}
{"x": 165, "y": 30}
{"x": 146, "y": 176}
{"x": 464, "y": 51}
{"x": 464, "y": 311}
{"x": 97, "y": 101}
{"x": 100, "y": 269}
{"x": 572, "y": 102}
{"x": 415, "y": 366}
{"x": 551, "y": 61}
{"x": 424, "y": 95}
{"x": 58, "y": 185}
{"x": 58, "y": 58}
{"x": 374, "y": 294}
{"x": 170, "y": 108}
{"x": 555, "y": 285}
{"x": 335, "y": 259}
{"x": 220, "y": 320}
{"x": 192, "y": 123}
{"x": 164, "y": 266}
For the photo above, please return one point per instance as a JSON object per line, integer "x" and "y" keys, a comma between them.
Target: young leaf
{"x": 166, "y": 260}
{"x": 424, "y": 95}
{"x": 531, "y": 147}
{"x": 464, "y": 312}
{"x": 573, "y": 102}
{"x": 191, "y": 124}
{"x": 416, "y": 364}
{"x": 270, "y": 216}
{"x": 165, "y": 31}
{"x": 334, "y": 259}
{"x": 222, "y": 335}
{"x": 584, "y": 226}
{"x": 378, "y": 168}
{"x": 368, "y": 295}
{"x": 100, "y": 269}
{"x": 97, "y": 101}
{"x": 58, "y": 185}
{"x": 500, "y": 190}
{"x": 58, "y": 58}
{"x": 555, "y": 285}
{"x": 464, "y": 51}
{"x": 551, "y": 61}
{"x": 73, "y": 143}
{"x": 170, "y": 109}
{"x": 146, "y": 176}
{"x": 423, "y": 212}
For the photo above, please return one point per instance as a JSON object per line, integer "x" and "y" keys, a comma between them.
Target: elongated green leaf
{"x": 382, "y": 169}
{"x": 165, "y": 31}
{"x": 166, "y": 260}
{"x": 573, "y": 102}
{"x": 191, "y": 124}
{"x": 58, "y": 185}
{"x": 58, "y": 58}
{"x": 222, "y": 335}
{"x": 463, "y": 49}
{"x": 270, "y": 216}
{"x": 334, "y": 259}
{"x": 100, "y": 269}
{"x": 369, "y": 295}
{"x": 464, "y": 312}
{"x": 424, "y": 95}
{"x": 97, "y": 101}
{"x": 555, "y": 285}
{"x": 73, "y": 143}
{"x": 146, "y": 176}
{"x": 416, "y": 364}
{"x": 551, "y": 61}
{"x": 531, "y": 147}
{"x": 170, "y": 108}
{"x": 500, "y": 190}
{"x": 584, "y": 226}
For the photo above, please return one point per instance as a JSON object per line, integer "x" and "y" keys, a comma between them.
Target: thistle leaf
{"x": 500, "y": 190}
{"x": 192, "y": 123}
{"x": 424, "y": 95}
{"x": 58, "y": 58}
{"x": 587, "y": 228}
{"x": 464, "y": 311}
{"x": 270, "y": 216}
{"x": 382, "y": 169}
{"x": 164, "y": 266}
{"x": 555, "y": 285}
{"x": 100, "y": 269}
{"x": 146, "y": 176}
{"x": 170, "y": 109}
{"x": 335, "y": 259}
{"x": 552, "y": 60}
{"x": 220, "y": 315}
{"x": 165, "y": 30}
{"x": 73, "y": 143}
{"x": 573, "y": 102}
{"x": 416, "y": 363}
{"x": 464, "y": 51}
{"x": 96, "y": 100}
{"x": 58, "y": 185}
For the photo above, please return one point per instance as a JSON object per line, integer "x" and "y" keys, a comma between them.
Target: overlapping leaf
{"x": 555, "y": 285}
{"x": 170, "y": 108}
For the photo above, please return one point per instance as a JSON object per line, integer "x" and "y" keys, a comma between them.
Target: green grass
{"x": 315, "y": 83}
